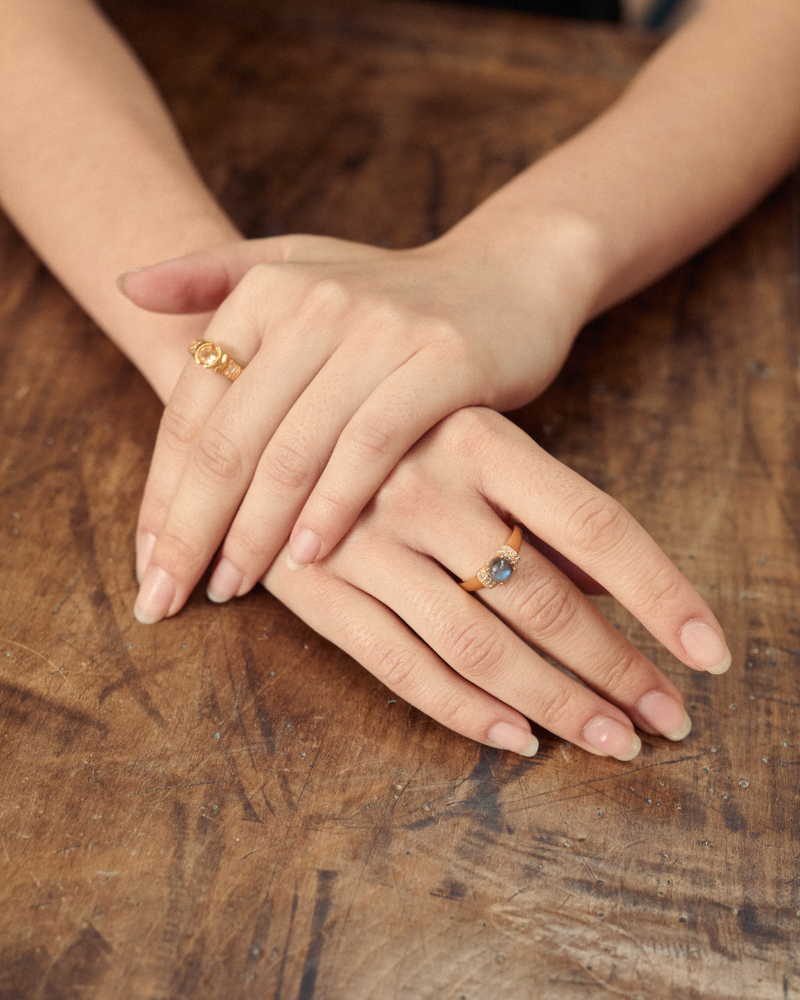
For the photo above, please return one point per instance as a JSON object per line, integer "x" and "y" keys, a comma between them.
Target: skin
{"x": 95, "y": 176}
{"x": 483, "y": 316}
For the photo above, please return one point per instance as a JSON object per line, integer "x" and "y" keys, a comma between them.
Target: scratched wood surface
{"x": 226, "y": 806}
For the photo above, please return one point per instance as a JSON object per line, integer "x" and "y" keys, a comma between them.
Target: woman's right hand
{"x": 387, "y": 596}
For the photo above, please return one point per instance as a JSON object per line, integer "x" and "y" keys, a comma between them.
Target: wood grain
{"x": 225, "y": 806}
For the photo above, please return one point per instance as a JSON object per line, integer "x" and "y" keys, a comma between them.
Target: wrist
{"x": 552, "y": 257}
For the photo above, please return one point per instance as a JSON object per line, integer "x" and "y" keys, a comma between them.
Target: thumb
{"x": 199, "y": 282}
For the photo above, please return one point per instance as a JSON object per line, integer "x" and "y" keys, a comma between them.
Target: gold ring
{"x": 208, "y": 355}
{"x": 500, "y": 567}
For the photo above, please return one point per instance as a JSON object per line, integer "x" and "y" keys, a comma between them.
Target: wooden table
{"x": 226, "y": 806}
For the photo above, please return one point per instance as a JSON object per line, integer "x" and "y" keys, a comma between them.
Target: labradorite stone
{"x": 500, "y": 569}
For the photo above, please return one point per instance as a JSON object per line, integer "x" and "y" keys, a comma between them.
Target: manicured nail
{"x": 224, "y": 583}
{"x": 145, "y": 543}
{"x": 124, "y": 277}
{"x": 665, "y": 715}
{"x": 507, "y": 736}
{"x": 303, "y": 549}
{"x": 156, "y": 595}
{"x": 705, "y": 647}
{"x": 611, "y": 738}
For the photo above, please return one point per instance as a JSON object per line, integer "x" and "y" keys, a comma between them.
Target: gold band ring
{"x": 500, "y": 567}
{"x": 208, "y": 355}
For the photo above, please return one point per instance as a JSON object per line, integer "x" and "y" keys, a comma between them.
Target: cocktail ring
{"x": 208, "y": 355}
{"x": 500, "y": 567}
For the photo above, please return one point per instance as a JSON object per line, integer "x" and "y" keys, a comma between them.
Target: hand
{"x": 386, "y": 595}
{"x": 351, "y": 354}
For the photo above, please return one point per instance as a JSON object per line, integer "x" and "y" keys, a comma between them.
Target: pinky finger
{"x": 386, "y": 647}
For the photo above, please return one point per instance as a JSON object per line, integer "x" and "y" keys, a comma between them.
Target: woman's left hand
{"x": 352, "y": 353}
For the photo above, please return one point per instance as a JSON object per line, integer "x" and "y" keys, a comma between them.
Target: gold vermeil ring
{"x": 498, "y": 570}
{"x": 209, "y": 355}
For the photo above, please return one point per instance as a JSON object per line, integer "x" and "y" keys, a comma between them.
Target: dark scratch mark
{"x": 422, "y": 823}
{"x": 249, "y": 853}
{"x": 83, "y": 535}
{"x": 10, "y": 693}
{"x": 450, "y": 889}
{"x": 65, "y": 850}
{"x": 66, "y": 593}
{"x": 325, "y": 881}
{"x": 83, "y": 963}
{"x": 767, "y": 472}
{"x": 285, "y": 955}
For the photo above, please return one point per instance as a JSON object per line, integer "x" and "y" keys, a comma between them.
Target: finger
{"x": 547, "y": 610}
{"x": 201, "y": 281}
{"x": 193, "y": 400}
{"x": 392, "y": 419}
{"x": 379, "y": 641}
{"x": 219, "y": 462}
{"x": 585, "y": 583}
{"x": 465, "y": 634}
{"x": 288, "y": 469}
{"x": 600, "y": 536}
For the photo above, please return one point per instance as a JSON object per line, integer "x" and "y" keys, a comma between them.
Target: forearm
{"x": 707, "y": 127}
{"x": 93, "y": 172}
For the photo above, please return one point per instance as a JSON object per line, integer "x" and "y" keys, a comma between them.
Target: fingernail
{"x": 145, "y": 543}
{"x": 666, "y": 715}
{"x": 124, "y": 277}
{"x": 507, "y": 736}
{"x": 303, "y": 549}
{"x": 705, "y": 647}
{"x": 156, "y": 594}
{"x": 611, "y": 738}
{"x": 224, "y": 583}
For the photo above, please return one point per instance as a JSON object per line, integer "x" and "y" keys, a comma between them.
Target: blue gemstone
{"x": 500, "y": 569}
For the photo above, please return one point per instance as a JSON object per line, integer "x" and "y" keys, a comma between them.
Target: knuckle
{"x": 557, "y": 710}
{"x": 327, "y": 295}
{"x": 219, "y": 457}
{"x": 247, "y": 299}
{"x": 456, "y": 711}
{"x": 449, "y": 338}
{"x": 469, "y": 431}
{"x": 248, "y": 550}
{"x": 396, "y": 669}
{"x": 598, "y": 525}
{"x": 547, "y": 609}
{"x": 176, "y": 550}
{"x": 665, "y": 588}
{"x": 178, "y": 427}
{"x": 254, "y": 280}
{"x": 335, "y": 502}
{"x": 406, "y": 491}
{"x": 371, "y": 439}
{"x": 288, "y": 467}
{"x": 623, "y": 673}
{"x": 478, "y": 651}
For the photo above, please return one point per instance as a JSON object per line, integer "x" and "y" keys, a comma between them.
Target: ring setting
{"x": 499, "y": 568}
{"x": 209, "y": 355}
